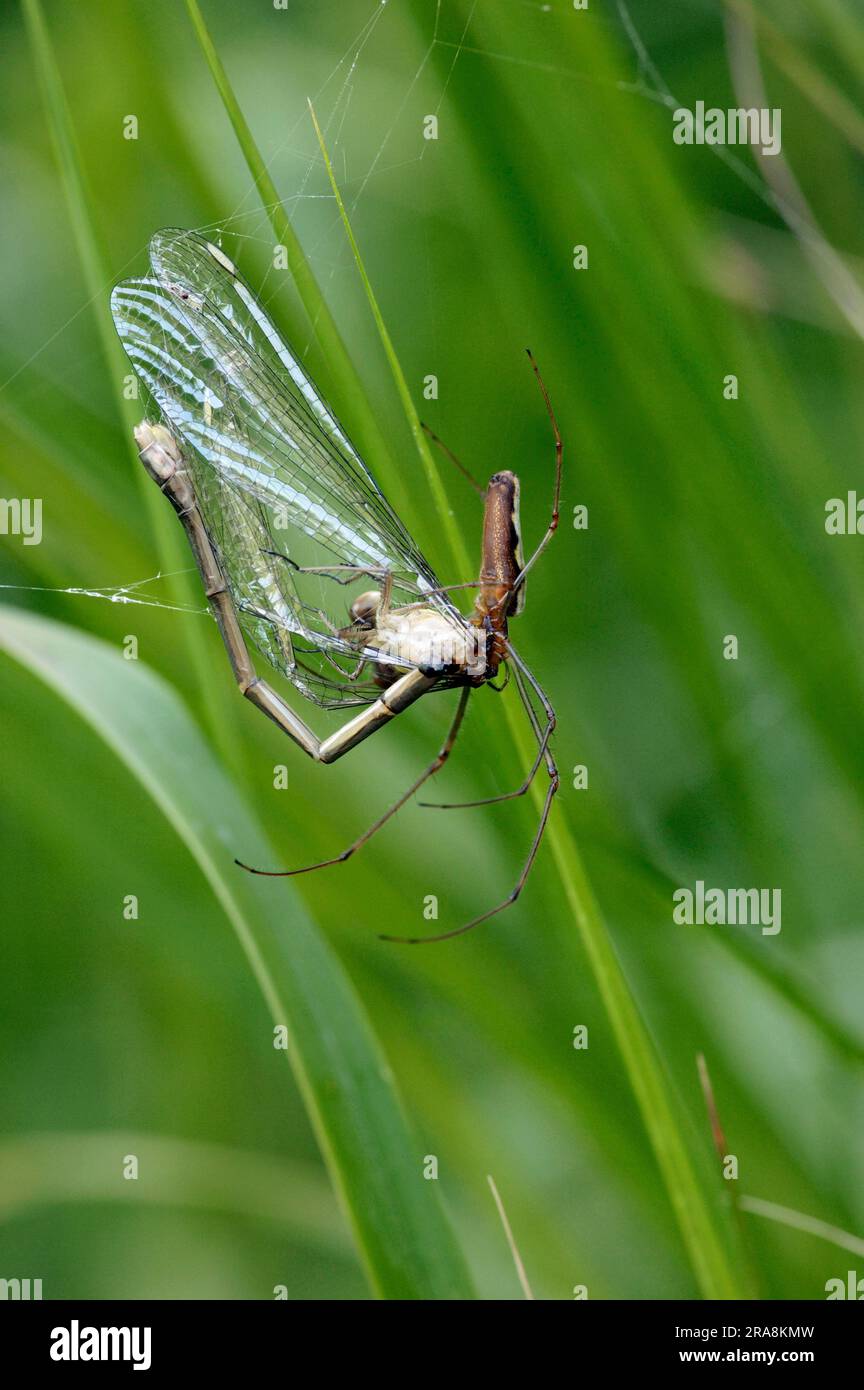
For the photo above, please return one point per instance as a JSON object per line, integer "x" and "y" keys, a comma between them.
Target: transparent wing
{"x": 279, "y": 484}
{"x": 184, "y": 258}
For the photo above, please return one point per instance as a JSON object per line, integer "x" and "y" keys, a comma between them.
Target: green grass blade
{"x": 696, "y": 1221}
{"x": 436, "y": 487}
{"x": 779, "y": 976}
{"x": 74, "y": 183}
{"x": 402, "y": 1234}
{"x": 800, "y": 1221}
{"x": 57, "y": 1168}
{"x": 94, "y": 265}
{"x": 693, "y": 1210}
{"x": 352, "y": 396}
{"x": 171, "y": 545}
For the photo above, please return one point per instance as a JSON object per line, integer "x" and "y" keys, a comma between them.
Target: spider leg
{"x": 556, "y": 493}
{"x": 350, "y": 572}
{"x": 542, "y": 735}
{"x": 435, "y": 766}
{"x": 554, "y": 782}
{"x": 448, "y": 452}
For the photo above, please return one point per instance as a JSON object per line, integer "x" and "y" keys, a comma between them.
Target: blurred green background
{"x": 706, "y": 518}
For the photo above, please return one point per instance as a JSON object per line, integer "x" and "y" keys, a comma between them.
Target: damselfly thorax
{"x": 250, "y": 451}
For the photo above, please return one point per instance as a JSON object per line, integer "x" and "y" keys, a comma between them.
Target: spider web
{"x": 296, "y": 165}
{"x": 372, "y": 103}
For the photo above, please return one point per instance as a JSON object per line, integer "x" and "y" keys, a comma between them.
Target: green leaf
{"x": 660, "y": 1116}
{"x": 402, "y": 1234}
{"x": 58, "y": 1168}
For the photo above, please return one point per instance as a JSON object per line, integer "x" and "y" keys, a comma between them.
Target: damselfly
{"x": 278, "y": 507}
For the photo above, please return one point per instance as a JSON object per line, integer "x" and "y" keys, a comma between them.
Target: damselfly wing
{"x": 279, "y": 508}
{"x": 270, "y": 464}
